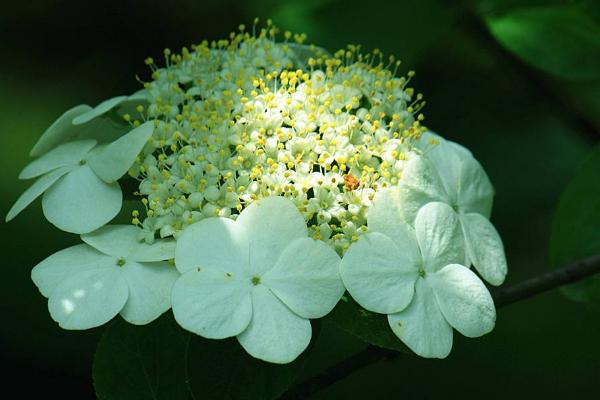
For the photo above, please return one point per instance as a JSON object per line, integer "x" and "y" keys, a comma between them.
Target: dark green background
{"x": 530, "y": 131}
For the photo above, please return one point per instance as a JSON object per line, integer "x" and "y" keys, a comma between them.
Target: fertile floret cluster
{"x": 247, "y": 118}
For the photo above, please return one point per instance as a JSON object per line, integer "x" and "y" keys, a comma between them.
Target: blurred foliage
{"x": 142, "y": 362}
{"x": 370, "y": 327}
{"x": 222, "y": 369}
{"x": 558, "y": 39}
{"x": 530, "y": 130}
{"x": 576, "y": 227}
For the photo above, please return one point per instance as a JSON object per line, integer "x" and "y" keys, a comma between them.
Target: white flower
{"x": 252, "y": 117}
{"x": 88, "y": 284}
{"x": 78, "y": 180}
{"x": 415, "y": 276}
{"x": 259, "y": 278}
{"x": 450, "y": 174}
{"x": 135, "y": 99}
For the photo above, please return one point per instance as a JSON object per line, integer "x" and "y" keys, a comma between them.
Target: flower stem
{"x": 550, "y": 280}
{"x": 502, "y": 297}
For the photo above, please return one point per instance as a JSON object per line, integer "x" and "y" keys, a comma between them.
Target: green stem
{"x": 502, "y": 297}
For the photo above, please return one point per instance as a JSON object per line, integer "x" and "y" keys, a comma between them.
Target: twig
{"x": 502, "y": 297}
{"x": 550, "y": 280}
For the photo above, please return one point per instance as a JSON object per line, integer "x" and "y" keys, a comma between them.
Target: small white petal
{"x": 113, "y": 161}
{"x": 306, "y": 278}
{"x": 475, "y": 191}
{"x": 50, "y": 272}
{"x": 484, "y": 248}
{"x": 218, "y": 244}
{"x": 34, "y": 191}
{"x": 122, "y": 241}
{"x": 88, "y": 298}
{"x": 80, "y": 202}
{"x": 461, "y": 150}
{"x": 463, "y": 178}
{"x": 275, "y": 333}
{"x": 378, "y": 275}
{"x": 446, "y": 162}
{"x": 59, "y": 132}
{"x": 271, "y": 224}
{"x": 100, "y": 109}
{"x": 421, "y": 326}
{"x": 212, "y": 304}
{"x": 386, "y": 216}
{"x": 464, "y": 300}
{"x": 440, "y": 236}
{"x": 149, "y": 290}
{"x": 420, "y": 185}
{"x": 68, "y": 154}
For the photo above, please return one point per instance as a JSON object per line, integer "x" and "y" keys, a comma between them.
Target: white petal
{"x": 475, "y": 191}
{"x": 440, "y": 236}
{"x": 275, "y": 333}
{"x": 425, "y": 144}
{"x": 218, "y": 244}
{"x": 140, "y": 95}
{"x": 271, "y": 224}
{"x": 100, "y": 109}
{"x": 80, "y": 202}
{"x": 306, "y": 278}
{"x": 484, "y": 248}
{"x": 59, "y": 132}
{"x": 386, "y": 216}
{"x": 68, "y": 154}
{"x": 49, "y": 273}
{"x": 420, "y": 184}
{"x": 122, "y": 241}
{"x": 378, "y": 275}
{"x": 113, "y": 161}
{"x": 421, "y": 326}
{"x": 211, "y": 303}
{"x": 464, "y": 300}
{"x": 149, "y": 290}
{"x": 446, "y": 162}
{"x": 34, "y": 191}
{"x": 89, "y": 298}
{"x": 461, "y": 150}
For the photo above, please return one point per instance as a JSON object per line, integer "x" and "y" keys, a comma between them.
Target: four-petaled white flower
{"x": 448, "y": 173}
{"x": 259, "y": 278}
{"x": 88, "y": 284}
{"x": 414, "y": 275}
{"x": 79, "y": 179}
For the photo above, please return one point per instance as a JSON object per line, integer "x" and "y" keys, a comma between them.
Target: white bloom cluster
{"x": 272, "y": 177}
{"x": 244, "y": 119}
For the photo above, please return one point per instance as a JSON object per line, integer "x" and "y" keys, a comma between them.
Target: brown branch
{"x": 502, "y": 297}
{"x": 548, "y": 281}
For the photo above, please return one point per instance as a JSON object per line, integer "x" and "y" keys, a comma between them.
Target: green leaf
{"x": 221, "y": 369}
{"x": 561, "y": 40}
{"x": 142, "y": 362}
{"x": 370, "y": 327}
{"x": 576, "y": 227}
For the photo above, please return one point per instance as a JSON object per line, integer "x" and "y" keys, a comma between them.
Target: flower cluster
{"x": 271, "y": 177}
{"x": 248, "y": 118}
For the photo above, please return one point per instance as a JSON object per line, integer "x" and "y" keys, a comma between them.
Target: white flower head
{"x": 448, "y": 173}
{"x": 78, "y": 180}
{"x": 88, "y": 284}
{"x": 415, "y": 277}
{"x": 259, "y": 278}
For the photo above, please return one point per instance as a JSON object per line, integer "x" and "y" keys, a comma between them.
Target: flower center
{"x": 82, "y": 162}
{"x": 121, "y": 261}
{"x": 255, "y": 280}
{"x": 422, "y": 272}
